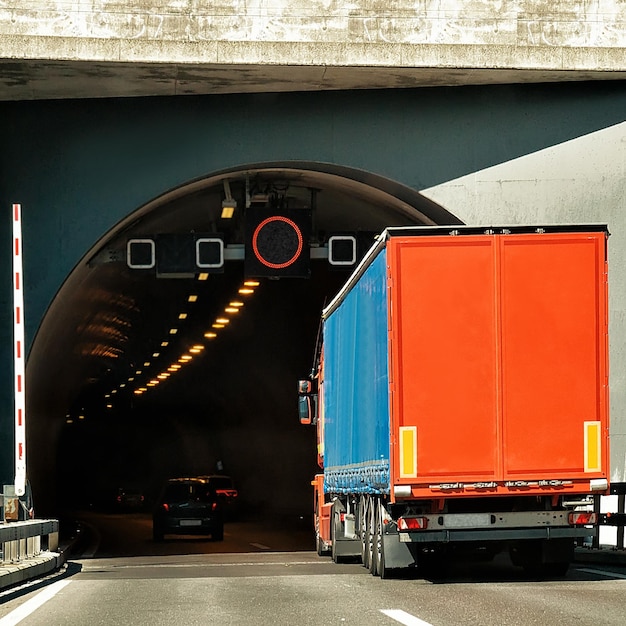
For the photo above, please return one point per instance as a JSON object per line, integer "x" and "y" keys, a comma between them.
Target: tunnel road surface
{"x": 289, "y": 588}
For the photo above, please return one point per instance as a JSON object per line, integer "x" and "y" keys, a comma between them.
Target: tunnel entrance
{"x": 106, "y": 407}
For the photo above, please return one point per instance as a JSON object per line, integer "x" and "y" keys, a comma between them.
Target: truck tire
{"x": 365, "y": 531}
{"x": 375, "y": 539}
{"x": 379, "y": 545}
{"x": 320, "y": 547}
{"x": 334, "y": 523}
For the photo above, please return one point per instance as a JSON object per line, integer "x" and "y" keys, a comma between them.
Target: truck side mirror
{"x": 307, "y": 409}
{"x": 304, "y": 386}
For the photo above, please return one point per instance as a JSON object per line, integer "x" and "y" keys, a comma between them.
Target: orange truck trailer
{"x": 460, "y": 394}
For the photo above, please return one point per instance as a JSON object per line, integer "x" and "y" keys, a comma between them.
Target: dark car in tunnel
{"x": 188, "y": 506}
{"x": 226, "y": 492}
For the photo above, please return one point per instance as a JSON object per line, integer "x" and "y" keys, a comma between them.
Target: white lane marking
{"x": 404, "y": 618}
{"x": 260, "y": 546}
{"x": 30, "y": 606}
{"x": 602, "y": 572}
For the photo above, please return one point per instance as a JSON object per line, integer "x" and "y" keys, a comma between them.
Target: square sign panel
{"x": 210, "y": 254}
{"x": 140, "y": 254}
{"x": 277, "y": 242}
{"x": 342, "y": 250}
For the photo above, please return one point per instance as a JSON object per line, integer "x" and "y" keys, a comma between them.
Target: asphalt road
{"x": 252, "y": 579}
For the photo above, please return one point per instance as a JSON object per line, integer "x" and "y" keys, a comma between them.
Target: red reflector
{"x": 582, "y": 519}
{"x": 412, "y": 523}
{"x": 342, "y": 517}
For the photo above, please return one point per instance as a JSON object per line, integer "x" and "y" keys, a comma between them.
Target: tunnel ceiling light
{"x": 231, "y": 309}
{"x": 217, "y": 325}
{"x": 192, "y": 298}
{"x": 122, "y": 385}
{"x": 246, "y": 291}
{"x": 130, "y": 379}
{"x": 185, "y": 358}
{"x": 138, "y": 372}
{"x": 251, "y": 283}
{"x": 203, "y": 276}
{"x": 210, "y": 335}
{"x": 69, "y": 421}
{"x": 222, "y": 320}
{"x": 173, "y": 331}
{"x": 236, "y": 303}
{"x": 138, "y": 392}
{"x": 163, "y": 376}
{"x": 228, "y": 208}
{"x": 182, "y": 316}
{"x": 155, "y": 355}
{"x": 107, "y": 395}
{"x": 164, "y": 344}
{"x": 109, "y": 406}
{"x": 114, "y": 391}
{"x": 146, "y": 364}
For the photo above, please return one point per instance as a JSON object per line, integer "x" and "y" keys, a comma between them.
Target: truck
{"x": 460, "y": 395}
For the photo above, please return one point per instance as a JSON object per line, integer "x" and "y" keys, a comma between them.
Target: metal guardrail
{"x": 20, "y": 541}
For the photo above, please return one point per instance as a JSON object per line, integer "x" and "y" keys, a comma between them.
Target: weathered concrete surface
{"x": 56, "y": 48}
{"x": 576, "y": 182}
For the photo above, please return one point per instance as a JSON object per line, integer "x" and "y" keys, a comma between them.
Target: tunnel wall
{"x": 79, "y": 167}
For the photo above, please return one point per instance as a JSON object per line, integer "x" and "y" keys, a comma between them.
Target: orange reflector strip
{"x": 408, "y": 451}
{"x": 593, "y": 455}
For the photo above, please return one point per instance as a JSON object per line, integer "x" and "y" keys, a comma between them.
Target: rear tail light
{"x": 214, "y": 506}
{"x": 166, "y": 506}
{"x": 582, "y": 519}
{"x": 412, "y": 523}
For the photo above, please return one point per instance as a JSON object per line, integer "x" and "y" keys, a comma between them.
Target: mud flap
{"x": 397, "y": 554}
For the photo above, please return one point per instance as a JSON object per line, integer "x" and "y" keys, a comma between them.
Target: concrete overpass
{"x": 104, "y": 48}
{"x": 446, "y": 112}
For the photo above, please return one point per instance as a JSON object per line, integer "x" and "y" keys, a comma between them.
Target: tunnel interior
{"x": 129, "y": 382}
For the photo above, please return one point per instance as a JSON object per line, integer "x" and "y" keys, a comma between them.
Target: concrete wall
{"x": 519, "y": 23}
{"x": 582, "y": 180}
{"x": 497, "y": 154}
{"x": 306, "y": 42}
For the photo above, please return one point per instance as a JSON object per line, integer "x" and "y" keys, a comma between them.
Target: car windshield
{"x": 185, "y": 492}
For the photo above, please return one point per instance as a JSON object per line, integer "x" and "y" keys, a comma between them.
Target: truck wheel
{"x": 333, "y": 535}
{"x": 375, "y": 539}
{"x": 363, "y": 531}
{"x": 371, "y": 531}
{"x": 319, "y": 544}
{"x": 379, "y": 545}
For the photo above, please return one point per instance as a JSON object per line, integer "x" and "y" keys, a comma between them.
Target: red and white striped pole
{"x": 19, "y": 357}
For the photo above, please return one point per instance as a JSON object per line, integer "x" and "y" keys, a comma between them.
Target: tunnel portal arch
{"x": 104, "y": 317}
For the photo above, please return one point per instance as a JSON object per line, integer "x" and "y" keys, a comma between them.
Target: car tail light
{"x": 412, "y": 523}
{"x": 214, "y": 506}
{"x": 582, "y": 519}
{"x": 166, "y": 506}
